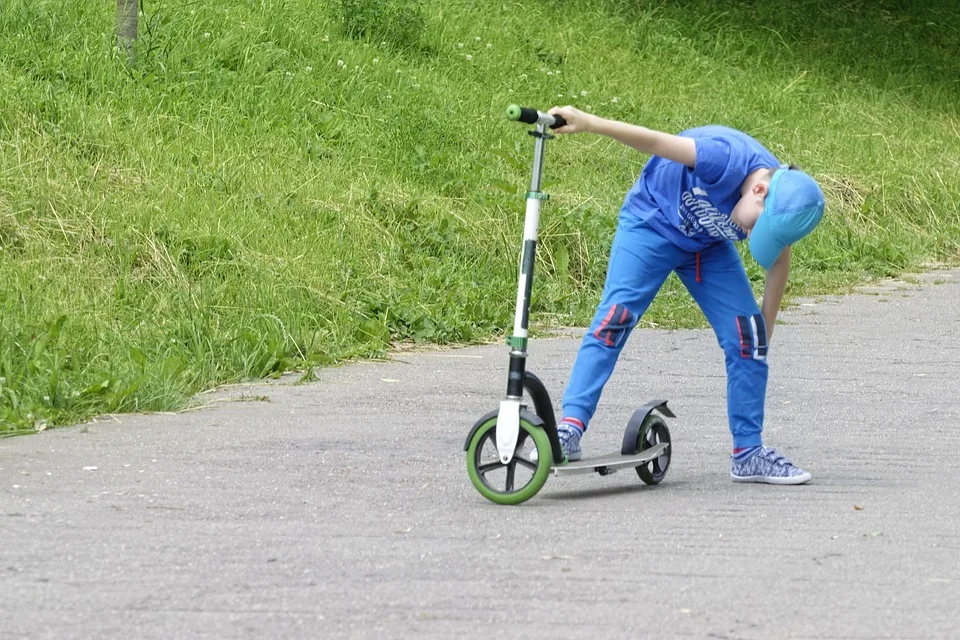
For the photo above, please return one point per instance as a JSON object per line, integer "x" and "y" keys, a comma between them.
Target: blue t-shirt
{"x": 691, "y": 207}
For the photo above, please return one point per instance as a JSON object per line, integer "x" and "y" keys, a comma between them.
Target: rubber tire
{"x": 650, "y": 472}
{"x": 539, "y": 478}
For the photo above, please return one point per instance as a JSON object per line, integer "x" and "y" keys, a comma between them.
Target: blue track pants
{"x": 640, "y": 261}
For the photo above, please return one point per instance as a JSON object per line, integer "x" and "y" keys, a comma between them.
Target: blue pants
{"x": 640, "y": 261}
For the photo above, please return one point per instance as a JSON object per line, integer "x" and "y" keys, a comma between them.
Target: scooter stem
{"x": 531, "y": 222}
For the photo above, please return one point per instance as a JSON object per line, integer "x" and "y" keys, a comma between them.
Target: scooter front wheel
{"x": 522, "y": 477}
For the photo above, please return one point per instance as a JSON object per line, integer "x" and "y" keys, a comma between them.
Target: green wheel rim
{"x": 482, "y": 467}
{"x": 653, "y": 431}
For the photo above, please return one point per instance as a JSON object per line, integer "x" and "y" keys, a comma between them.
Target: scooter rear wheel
{"x": 653, "y": 431}
{"x": 518, "y": 480}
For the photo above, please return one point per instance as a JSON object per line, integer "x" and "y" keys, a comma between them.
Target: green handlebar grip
{"x": 522, "y": 114}
{"x": 531, "y": 116}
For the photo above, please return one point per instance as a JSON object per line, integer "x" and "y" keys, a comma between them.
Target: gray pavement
{"x": 342, "y": 508}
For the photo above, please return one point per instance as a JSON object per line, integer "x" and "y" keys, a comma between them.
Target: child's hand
{"x": 577, "y": 121}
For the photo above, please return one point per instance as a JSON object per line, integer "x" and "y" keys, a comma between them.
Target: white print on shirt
{"x": 698, "y": 216}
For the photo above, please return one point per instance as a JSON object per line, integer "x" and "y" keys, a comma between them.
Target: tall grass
{"x": 278, "y": 185}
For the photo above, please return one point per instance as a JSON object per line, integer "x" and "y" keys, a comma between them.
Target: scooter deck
{"x": 605, "y": 465}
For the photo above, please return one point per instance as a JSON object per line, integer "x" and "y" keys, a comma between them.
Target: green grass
{"x": 276, "y": 185}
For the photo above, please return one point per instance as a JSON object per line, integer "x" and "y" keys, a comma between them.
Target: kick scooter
{"x": 512, "y": 450}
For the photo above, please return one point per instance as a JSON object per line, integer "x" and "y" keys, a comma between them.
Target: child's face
{"x": 752, "y": 199}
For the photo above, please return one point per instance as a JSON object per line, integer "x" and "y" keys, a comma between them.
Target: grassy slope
{"x": 264, "y": 190}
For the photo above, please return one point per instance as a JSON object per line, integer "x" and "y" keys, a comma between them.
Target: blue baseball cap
{"x": 793, "y": 207}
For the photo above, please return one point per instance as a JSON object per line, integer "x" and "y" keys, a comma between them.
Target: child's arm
{"x": 773, "y": 289}
{"x": 657, "y": 143}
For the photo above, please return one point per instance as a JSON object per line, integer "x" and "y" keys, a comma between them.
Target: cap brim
{"x": 764, "y": 247}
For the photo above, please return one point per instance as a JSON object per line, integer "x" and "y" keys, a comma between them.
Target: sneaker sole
{"x": 801, "y": 479}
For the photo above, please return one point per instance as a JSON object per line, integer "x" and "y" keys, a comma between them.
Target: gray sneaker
{"x": 766, "y": 465}
{"x": 570, "y": 441}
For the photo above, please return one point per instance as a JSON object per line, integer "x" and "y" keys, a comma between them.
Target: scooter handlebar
{"x": 532, "y": 116}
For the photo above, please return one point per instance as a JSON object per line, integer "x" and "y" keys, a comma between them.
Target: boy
{"x": 699, "y": 192}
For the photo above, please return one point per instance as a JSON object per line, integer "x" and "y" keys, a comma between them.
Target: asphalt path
{"x": 342, "y": 508}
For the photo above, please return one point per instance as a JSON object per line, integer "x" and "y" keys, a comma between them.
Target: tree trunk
{"x": 127, "y": 14}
